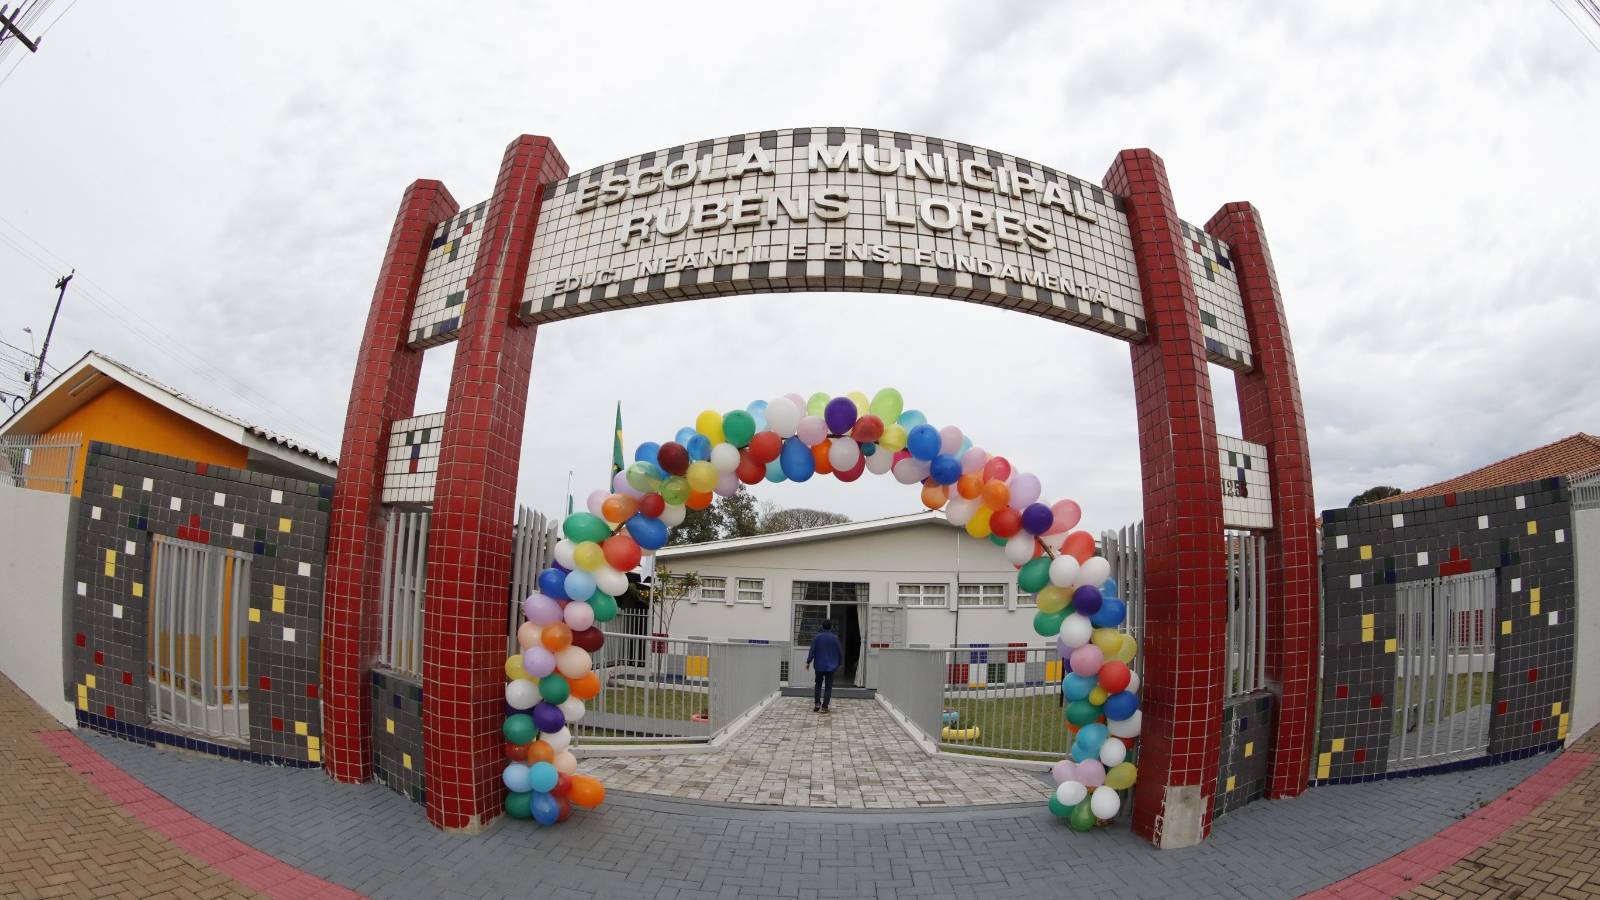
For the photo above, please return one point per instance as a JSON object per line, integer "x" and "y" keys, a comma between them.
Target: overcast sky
{"x": 224, "y": 178}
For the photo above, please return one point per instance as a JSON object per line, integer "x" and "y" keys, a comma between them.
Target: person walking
{"x": 827, "y": 653}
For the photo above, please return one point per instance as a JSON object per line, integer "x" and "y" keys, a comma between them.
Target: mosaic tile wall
{"x": 128, "y": 497}
{"x": 1520, "y": 533}
{"x": 1247, "y": 727}
{"x": 397, "y": 733}
{"x": 1216, "y": 287}
{"x": 1246, "y": 483}
{"x": 442, "y": 296}
{"x": 412, "y": 461}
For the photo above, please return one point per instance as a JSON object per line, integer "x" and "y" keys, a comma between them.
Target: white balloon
{"x": 910, "y": 470}
{"x": 950, "y": 440}
{"x": 1128, "y": 727}
{"x": 973, "y": 460}
{"x": 1104, "y": 803}
{"x": 1133, "y": 682}
{"x": 1025, "y": 489}
{"x": 673, "y": 515}
{"x": 1076, "y": 630}
{"x": 573, "y": 662}
{"x": 596, "y": 498}
{"x": 1113, "y": 753}
{"x": 1019, "y": 549}
{"x": 611, "y": 581}
{"x": 812, "y": 431}
{"x": 843, "y": 454}
{"x": 558, "y": 740}
{"x": 1071, "y": 793}
{"x": 727, "y": 484}
{"x": 959, "y": 511}
{"x": 880, "y": 462}
{"x": 565, "y": 763}
{"x": 578, "y": 616}
{"x": 573, "y": 709}
{"x": 783, "y": 416}
{"x": 725, "y": 457}
{"x": 1064, "y": 571}
{"x": 521, "y": 693}
{"x": 565, "y": 550}
{"x": 1095, "y": 571}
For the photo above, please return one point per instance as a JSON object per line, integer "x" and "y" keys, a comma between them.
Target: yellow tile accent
{"x": 1561, "y": 730}
{"x": 1338, "y": 745}
{"x": 1533, "y": 608}
{"x": 88, "y": 681}
{"x": 1231, "y": 781}
{"x": 116, "y": 491}
{"x": 83, "y": 703}
{"x": 1324, "y": 759}
{"x": 111, "y": 570}
{"x": 388, "y": 725}
{"x": 313, "y": 754}
{"x": 284, "y": 524}
{"x": 1555, "y": 708}
{"x": 405, "y": 760}
{"x": 1249, "y": 749}
{"x": 445, "y": 250}
{"x": 111, "y": 556}
{"x": 1367, "y": 621}
{"x": 1367, "y": 634}
{"x": 138, "y": 589}
{"x": 300, "y": 729}
{"x": 255, "y": 614}
{"x": 695, "y": 666}
{"x": 1366, "y": 551}
{"x": 1535, "y": 594}
{"x": 83, "y": 691}
{"x": 314, "y": 743}
{"x": 1533, "y": 527}
{"x": 277, "y": 605}
{"x": 1388, "y": 646}
{"x": 1322, "y": 772}
{"x": 1505, "y": 627}
{"x": 278, "y": 592}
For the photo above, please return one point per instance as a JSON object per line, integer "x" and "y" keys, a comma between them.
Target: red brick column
{"x": 1185, "y": 594}
{"x": 383, "y": 390}
{"x": 1270, "y": 410}
{"x": 469, "y": 542}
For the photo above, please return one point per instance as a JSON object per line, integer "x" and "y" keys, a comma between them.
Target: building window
{"x": 981, "y": 595}
{"x": 1027, "y": 599}
{"x": 713, "y": 588}
{"x": 928, "y": 595}
{"x": 752, "y": 590}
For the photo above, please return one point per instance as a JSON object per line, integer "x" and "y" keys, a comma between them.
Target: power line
{"x": 1588, "y": 8}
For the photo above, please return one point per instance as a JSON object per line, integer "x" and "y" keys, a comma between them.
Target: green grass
{"x": 1035, "y": 723}
{"x": 1468, "y": 691}
{"x": 656, "y": 702}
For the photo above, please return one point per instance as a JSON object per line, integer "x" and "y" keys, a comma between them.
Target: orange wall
{"x": 120, "y": 416}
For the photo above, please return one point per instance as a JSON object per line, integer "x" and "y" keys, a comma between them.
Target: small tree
{"x": 667, "y": 590}
{"x": 798, "y": 518}
{"x": 1374, "y": 494}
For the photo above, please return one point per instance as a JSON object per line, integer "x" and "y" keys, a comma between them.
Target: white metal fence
{"x": 1585, "y": 490}
{"x": 402, "y": 588}
{"x": 1124, "y": 549}
{"x": 1444, "y": 670}
{"x": 42, "y": 462}
{"x": 533, "y": 545}
{"x": 670, "y": 690}
{"x": 1003, "y": 701}
{"x": 1247, "y": 611}
{"x": 198, "y": 638}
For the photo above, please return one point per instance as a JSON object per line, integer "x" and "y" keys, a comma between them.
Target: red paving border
{"x": 1416, "y": 866}
{"x": 245, "y": 864}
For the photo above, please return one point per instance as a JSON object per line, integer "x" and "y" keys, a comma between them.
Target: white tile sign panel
{"x": 1246, "y": 485}
{"x": 810, "y": 209}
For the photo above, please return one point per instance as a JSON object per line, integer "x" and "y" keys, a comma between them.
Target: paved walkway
{"x": 856, "y": 757}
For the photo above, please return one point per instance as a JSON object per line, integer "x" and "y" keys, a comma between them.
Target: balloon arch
{"x": 792, "y": 438}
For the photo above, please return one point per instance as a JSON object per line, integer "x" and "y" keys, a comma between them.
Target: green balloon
{"x": 997, "y": 540}
{"x": 580, "y": 527}
{"x": 1080, "y": 712}
{"x": 738, "y": 427}
{"x": 887, "y": 405}
{"x": 675, "y": 490}
{"x": 1048, "y": 624}
{"x": 518, "y": 729}
{"x": 1083, "y": 818}
{"x": 604, "y": 606}
{"x": 554, "y": 689}
{"x": 1034, "y": 576}
{"x": 817, "y": 404}
{"x": 519, "y": 804}
{"x": 1056, "y": 806}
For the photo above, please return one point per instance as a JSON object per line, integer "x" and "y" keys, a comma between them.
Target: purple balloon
{"x": 1037, "y": 518}
{"x": 541, "y": 610}
{"x": 840, "y": 414}
{"x": 538, "y": 662}
{"x": 620, "y": 485}
{"x": 548, "y": 717}
{"x": 1086, "y": 599}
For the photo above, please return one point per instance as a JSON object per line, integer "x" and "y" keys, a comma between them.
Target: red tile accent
{"x": 1185, "y": 595}
{"x": 111, "y": 712}
{"x": 311, "y": 691}
{"x": 277, "y": 723}
{"x": 99, "y": 658}
{"x": 1361, "y": 755}
{"x": 1455, "y": 567}
{"x": 383, "y": 390}
{"x": 1533, "y": 675}
{"x": 1341, "y": 692}
{"x": 1377, "y": 701}
{"x": 80, "y": 640}
{"x": 265, "y": 683}
{"x": 469, "y": 556}
{"x": 127, "y": 678}
{"x": 1500, "y": 708}
{"x": 1272, "y": 414}
{"x": 201, "y": 468}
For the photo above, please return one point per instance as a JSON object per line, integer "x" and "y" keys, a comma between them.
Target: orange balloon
{"x": 699, "y": 499}
{"x": 586, "y": 688}
{"x": 539, "y": 751}
{"x": 618, "y": 508}
{"x": 587, "y": 791}
{"x": 996, "y": 495}
{"x": 970, "y": 486}
{"x": 934, "y": 496}
{"x": 820, "y": 454}
{"x": 1079, "y": 545}
{"x": 556, "y": 638}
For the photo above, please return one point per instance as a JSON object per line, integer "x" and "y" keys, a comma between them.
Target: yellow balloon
{"x": 860, "y": 400}
{"x": 978, "y": 525}
{"x": 1098, "y": 696}
{"x": 1128, "y": 650}
{"x": 709, "y": 423}
{"x": 1109, "y": 640}
{"x": 702, "y": 476}
{"x": 589, "y": 556}
{"x": 1122, "y": 775}
{"x": 514, "y": 668}
{"x": 894, "y": 437}
{"x": 1054, "y": 599}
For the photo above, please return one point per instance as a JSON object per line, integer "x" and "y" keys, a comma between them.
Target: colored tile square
{"x": 255, "y": 614}
{"x": 1366, "y": 551}
{"x": 388, "y": 725}
{"x": 116, "y": 491}
{"x": 1338, "y": 745}
{"x": 284, "y": 525}
{"x": 301, "y": 729}
{"x": 1249, "y": 749}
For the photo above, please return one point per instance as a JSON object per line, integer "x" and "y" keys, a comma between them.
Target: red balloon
{"x": 565, "y": 807}
{"x": 1005, "y": 522}
{"x": 1114, "y": 676}
{"x": 1079, "y": 545}
{"x": 853, "y": 472}
{"x": 590, "y": 639}
{"x": 563, "y": 786}
{"x": 517, "y": 752}
{"x": 652, "y": 506}
{"x": 996, "y": 469}
{"x": 673, "y": 458}
{"x": 622, "y": 552}
{"x": 867, "y": 429}
{"x": 765, "y": 447}
{"x": 750, "y": 471}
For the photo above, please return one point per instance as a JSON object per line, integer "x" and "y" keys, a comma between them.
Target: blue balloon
{"x": 923, "y": 442}
{"x": 552, "y": 583}
{"x": 966, "y": 444}
{"x": 775, "y": 472}
{"x": 945, "y": 469}
{"x": 579, "y": 584}
{"x": 647, "y": 531}
{"x": 1092, "y": 735}
{"x": 515, "y": 776}
{"x": 548, "y": 718}
{"x": 1086, "y": 599}
{"x": 1112, "y": 612}
{"x": 1081, "y": 753}
{"x": 699, "y": 447}
{"x": 685, "y": 435}
{"x": 1037, "y": 518}
{"x": 542, "y": 777}
{"x": 646, "y": 452}
{"x": 1077, "y": 687}
{"x": 797, "y": 461}
{"x": 758, "y": 411}
{"x": 911, "y": 418}
{"x": 1121, "y": 705}
{"x": 1109, "y": 589}
{"x": 546, "y": 811}
{"x": 868, "y": 449}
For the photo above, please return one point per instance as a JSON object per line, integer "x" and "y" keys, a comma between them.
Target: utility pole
{"x": 8, "y": 25}
{"x": 38, "y": 369}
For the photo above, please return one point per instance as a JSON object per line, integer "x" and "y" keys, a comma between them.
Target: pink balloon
{"x": 727, "y": 484}
{"x": 620, "y": 485}
{"x": 538, "y": 662}
{"x": 1087, "y": 660}
{"x": 596, "y": 498}
{"x": 973, "y": 460}
{"x": 950, "y": 439}
{"x": 1067, "y": 514}
{"x": 541, "y": 610}
{"x": 578, "y": 616}
{"x": 1091, "y": 773}
{"x": 812, "y": 431}
{"x": 1066, "y": 770}
{"x": 1024, "y": 490}
{"x": 799, "y": 402}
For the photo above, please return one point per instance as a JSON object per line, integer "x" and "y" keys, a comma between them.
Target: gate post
{"x": 383, "y": 390}
{"x": 469, "y": 554}
{"x": 1271, "y": 414}
{"x": 1185, "y": 603}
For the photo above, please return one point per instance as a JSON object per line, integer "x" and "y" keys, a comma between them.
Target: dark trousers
{"x": 822, "y": 695}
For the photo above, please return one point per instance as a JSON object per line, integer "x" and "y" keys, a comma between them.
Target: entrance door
{"x": 199, "y": 600}
{"x": 844, "y": 604}
{"x": 1444, "y": 670}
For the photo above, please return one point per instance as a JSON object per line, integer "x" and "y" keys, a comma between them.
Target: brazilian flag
{"x": 616, "y": 444}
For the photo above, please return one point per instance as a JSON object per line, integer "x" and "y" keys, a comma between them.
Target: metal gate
{"x": 1444, "y": 670}
{"x": 198, "y": 638}
{"x": 1247, "y": 612}
{"x": 402, "y": 589}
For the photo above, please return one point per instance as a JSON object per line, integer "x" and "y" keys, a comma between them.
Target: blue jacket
{"x": 826, "y": 651}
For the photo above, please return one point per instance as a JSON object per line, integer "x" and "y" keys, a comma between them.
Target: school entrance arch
{"x": 814, "y": 209}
